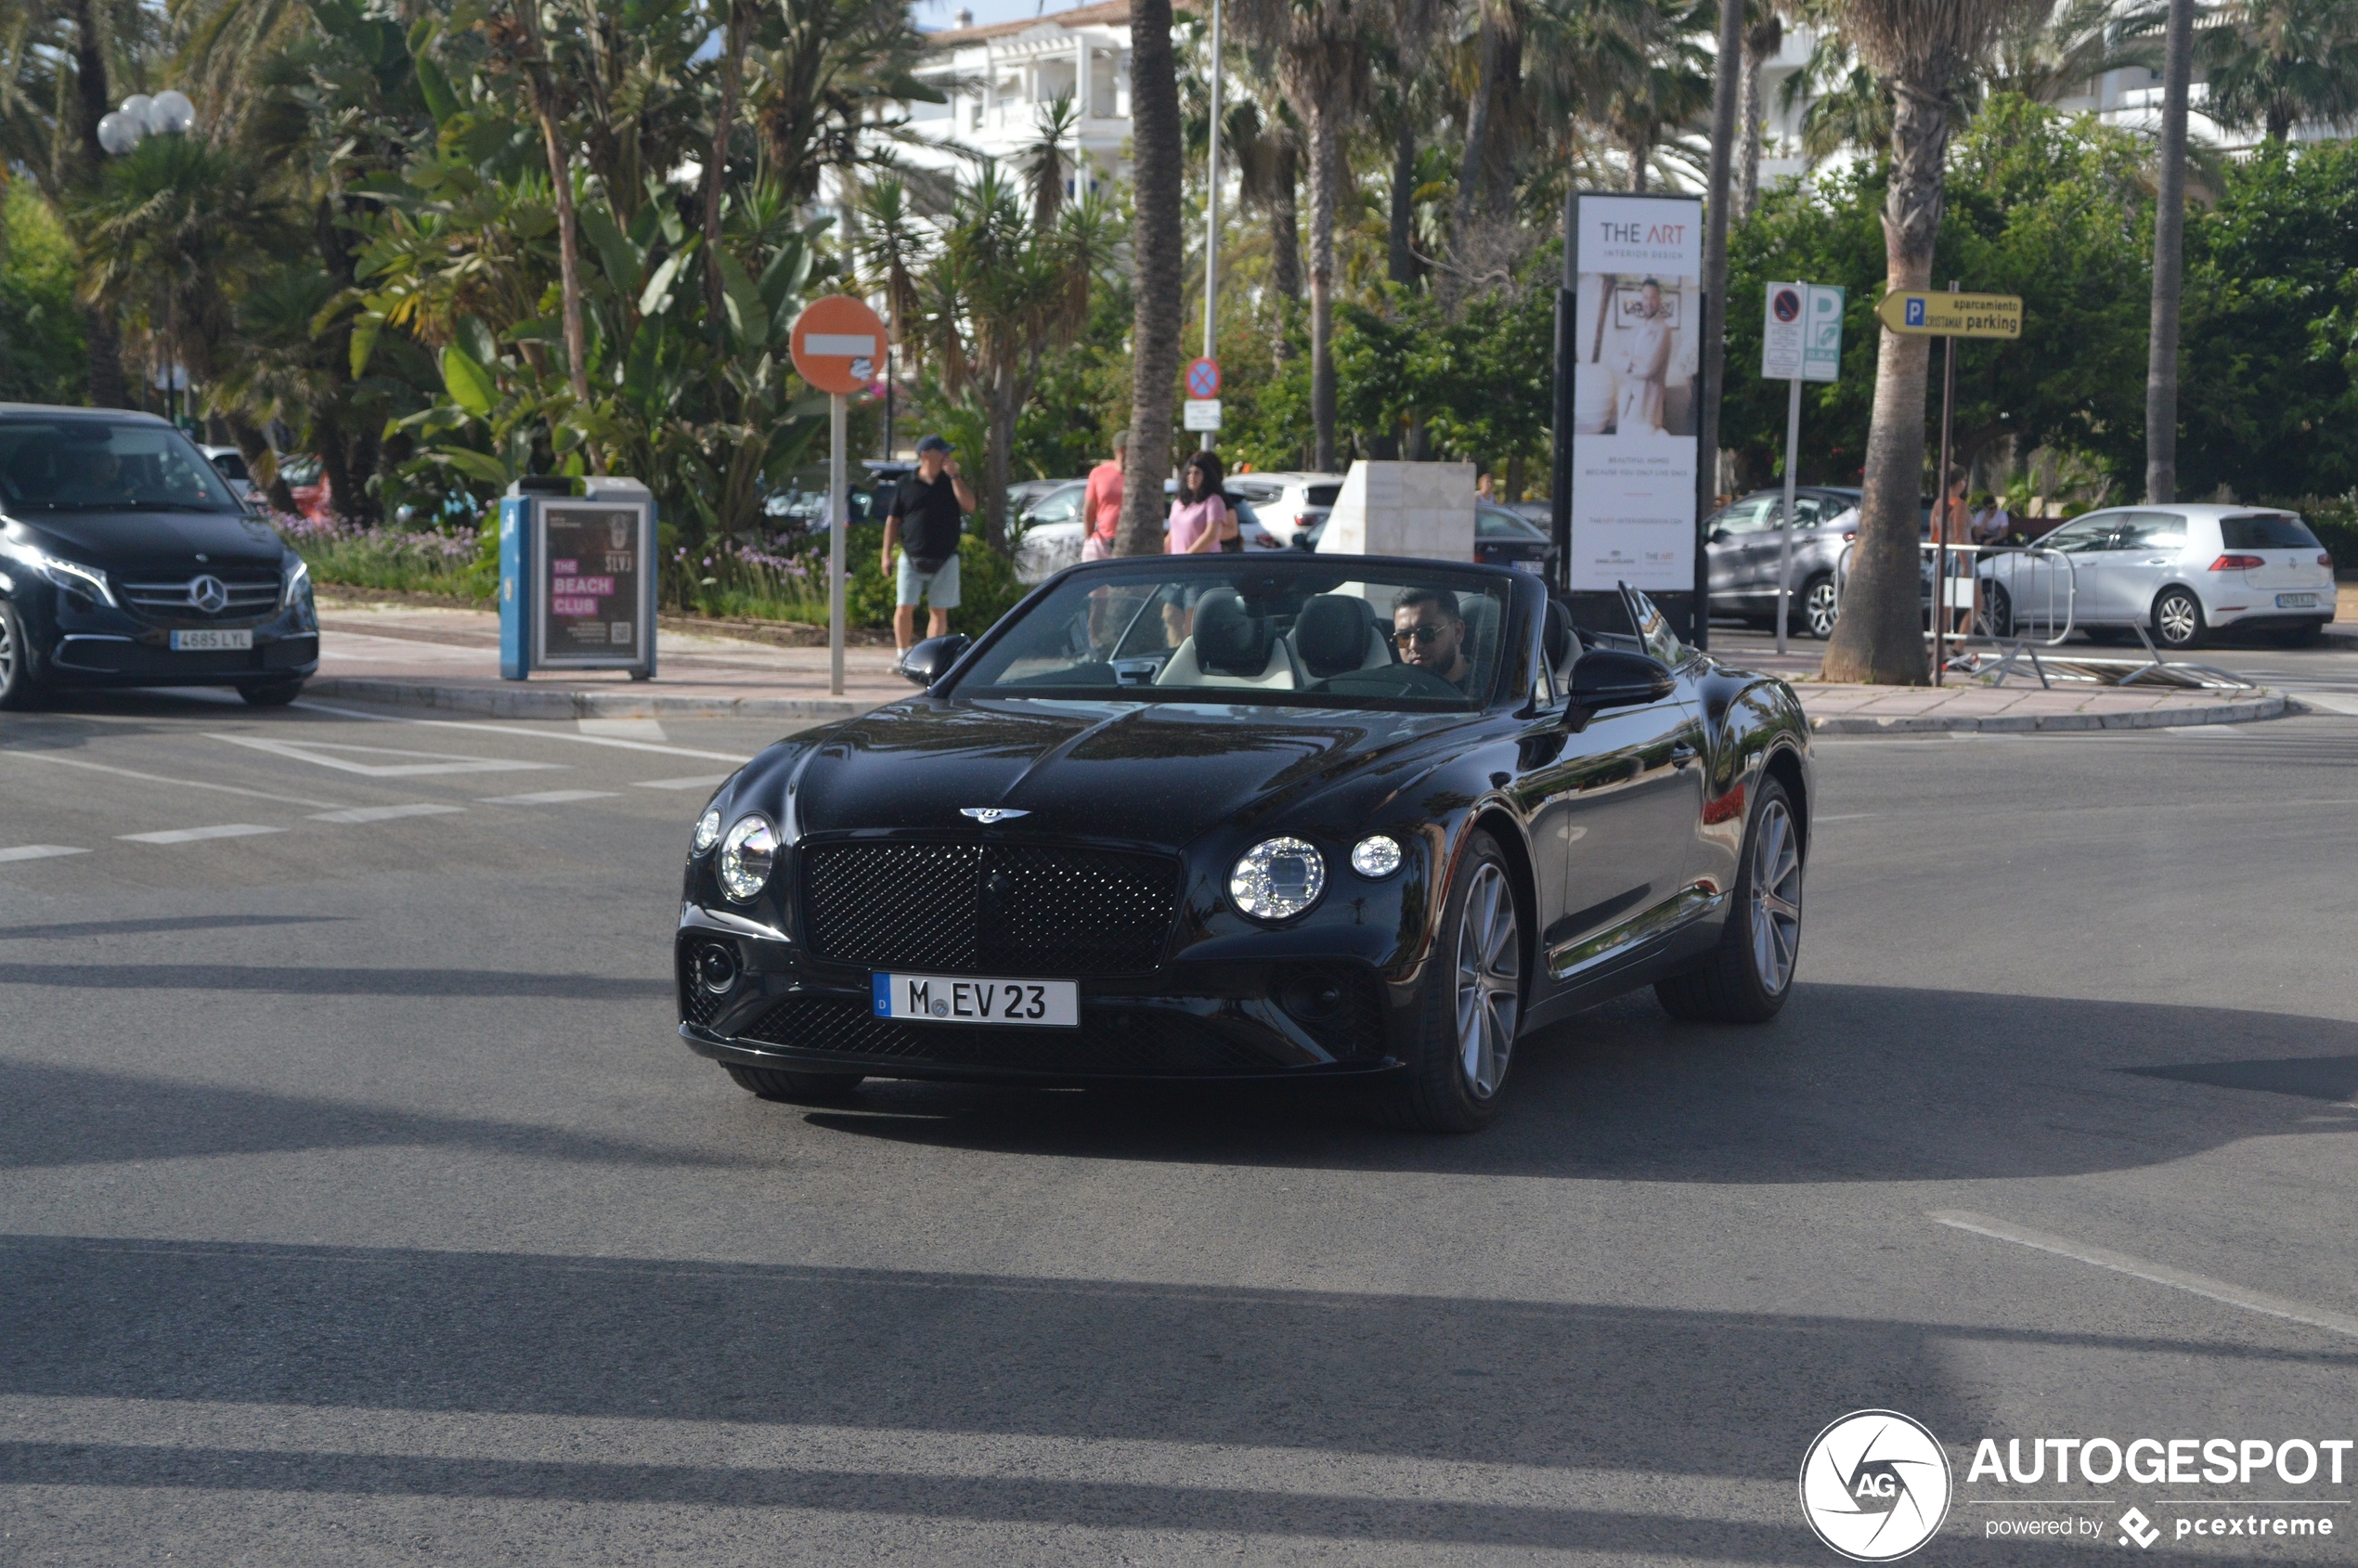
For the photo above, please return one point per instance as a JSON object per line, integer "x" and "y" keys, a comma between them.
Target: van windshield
{"x": 105, "y": 465}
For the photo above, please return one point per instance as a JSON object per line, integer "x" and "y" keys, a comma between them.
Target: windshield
{"x": 1318, "y": 634}
{"x": 104, "y": 465}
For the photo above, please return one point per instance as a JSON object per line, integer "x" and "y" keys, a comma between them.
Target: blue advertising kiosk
{"x": 577, "y": 576}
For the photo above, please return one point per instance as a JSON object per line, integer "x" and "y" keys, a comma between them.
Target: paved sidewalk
{"x": 414, "y": 656}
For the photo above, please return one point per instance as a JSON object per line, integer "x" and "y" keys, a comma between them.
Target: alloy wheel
{"x": 1489, "y": 981}
{"x": 2178, "y": 619}
{"x": 1776, "y": 896}
{"x": 1821, "y": 608}
{"x": 7, "y": 655}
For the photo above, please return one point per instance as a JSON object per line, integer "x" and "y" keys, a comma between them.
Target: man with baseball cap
{"x": 928, "y": 513}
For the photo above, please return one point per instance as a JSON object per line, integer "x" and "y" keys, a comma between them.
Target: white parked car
{"x": 1288, "y": 503}
{"x": 230, "y": 463}
{"x": 2179, "y": 571}
{"x": 1050, "y": 536}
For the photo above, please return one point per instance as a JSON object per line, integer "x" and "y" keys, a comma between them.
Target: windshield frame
{"x": 1506, "y": 676}
{"x": 225, "y": 501}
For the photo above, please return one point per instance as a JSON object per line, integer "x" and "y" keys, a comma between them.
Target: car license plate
{"x": 2296, "y": 602}
{"x": 962, "y": 999}
{"x": 207, "y": 641}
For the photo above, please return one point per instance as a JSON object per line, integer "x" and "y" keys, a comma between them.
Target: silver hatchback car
{"x": 2180, "y": 571}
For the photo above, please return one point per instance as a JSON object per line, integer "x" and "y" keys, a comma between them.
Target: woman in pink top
{"x": 1201, "y": 517}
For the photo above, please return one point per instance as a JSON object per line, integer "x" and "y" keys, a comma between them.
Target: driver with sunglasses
{"x": 1430, "y": 631}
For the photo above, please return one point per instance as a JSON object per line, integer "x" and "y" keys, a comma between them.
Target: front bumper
{"x": 78, "y": 645}
{"x": 1209, "y": 1020}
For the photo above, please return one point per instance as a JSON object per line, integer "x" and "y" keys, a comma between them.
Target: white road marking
{"x": 548, "y": 798}
{"x": 38, "y": 852}
{"x": 702, "y": 781}
{"x": 384, "y": 814}
{"x": 1846, "y": 817}
{"x": 2155, "y": 1274}
{"x": 551, "y": 735}
{"x": 623, "y": 729}
{"x": 156, "y": 778}
{"x": 435, "y": 761}
{"x": 191, "y": 835}
{"x": 2332, "y": 701}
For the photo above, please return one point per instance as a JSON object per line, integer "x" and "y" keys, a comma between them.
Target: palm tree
{"x": 1321, "y": 50}
{"x": 1924, "y": 50}
{"x": 2052, "y": 59}
{"x": 1157, "y": 167}
{"x": 2273, "y": 64}
{"x": 1764, "y": 35}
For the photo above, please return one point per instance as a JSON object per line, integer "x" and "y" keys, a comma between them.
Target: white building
{"x": 1000, "y": 77}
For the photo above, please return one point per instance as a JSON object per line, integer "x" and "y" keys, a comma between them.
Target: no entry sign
{"x": 837, "y": 343}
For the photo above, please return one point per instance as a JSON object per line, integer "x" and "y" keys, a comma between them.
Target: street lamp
{"x": 168, "y": 114}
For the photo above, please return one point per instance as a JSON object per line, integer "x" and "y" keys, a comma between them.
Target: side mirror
{"x": 931, "y": 660}
{"x": 1605, "y": 678}
{"x": 1718, "y": 535}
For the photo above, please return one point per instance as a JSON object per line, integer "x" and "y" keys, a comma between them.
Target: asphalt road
{"x": 357, "y": 1204}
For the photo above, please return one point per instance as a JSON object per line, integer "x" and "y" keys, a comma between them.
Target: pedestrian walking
{"x": 928, "y": 514}
{"x": 1101, "y": 501}
{"x": 1201, "y": 518}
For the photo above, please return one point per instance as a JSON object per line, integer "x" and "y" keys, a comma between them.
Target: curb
{"x": 548, "y": 701}
{"x": 2268, "y": 705}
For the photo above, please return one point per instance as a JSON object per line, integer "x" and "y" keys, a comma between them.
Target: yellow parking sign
{"x": 1952, "y": 315}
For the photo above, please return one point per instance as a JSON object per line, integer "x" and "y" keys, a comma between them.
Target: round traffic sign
{"x": 1787, "y": 304}
{"x": 1203, "y": 378}
{"x": 836, "y": 343}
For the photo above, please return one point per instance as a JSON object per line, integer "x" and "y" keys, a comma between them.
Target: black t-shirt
{"x": 930, "y": 520}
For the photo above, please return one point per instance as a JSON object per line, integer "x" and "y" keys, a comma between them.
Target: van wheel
{"x": 18, "y": 688}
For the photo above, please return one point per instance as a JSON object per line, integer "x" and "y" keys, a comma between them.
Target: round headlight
{"x": 1377, "y": 856}
{"x": 707, "y": 829}
{"x": 747, "y": 856}
{"x": 1277, "y": 878}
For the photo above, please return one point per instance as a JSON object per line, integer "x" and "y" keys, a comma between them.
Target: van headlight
{"x": 71, "y": 576}
{"x": 747, "y": 856}
{"x": 1277, "y": 878}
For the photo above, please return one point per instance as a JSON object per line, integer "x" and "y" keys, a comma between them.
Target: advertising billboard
{"x": 1637, "y": 312}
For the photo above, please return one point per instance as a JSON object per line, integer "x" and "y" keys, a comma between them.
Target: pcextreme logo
{"x": 1875, "y": 1486}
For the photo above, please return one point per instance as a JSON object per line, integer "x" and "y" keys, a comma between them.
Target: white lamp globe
{"x": 116, "y": 136}
{"x": 137, "y": 109}
{"x": 172, "y": 113}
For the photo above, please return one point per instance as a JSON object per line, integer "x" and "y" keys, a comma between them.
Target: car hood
{"x": 1148, "y": 773}
{"x": 131, "y": 541}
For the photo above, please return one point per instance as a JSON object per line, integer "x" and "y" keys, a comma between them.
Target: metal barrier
{"x": 1968, "y": 592}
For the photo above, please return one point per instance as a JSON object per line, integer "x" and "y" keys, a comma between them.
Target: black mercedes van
{"x": 125, "y": 560}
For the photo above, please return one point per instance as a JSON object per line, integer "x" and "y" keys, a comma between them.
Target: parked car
{"x": 125, "y": 560}
{"x": 1287, "y": 503}
{"x": 306, "y": 479}
{"x": 230, "y": 463}
{"x": 1505, "y": 538}
{"x": 1744, "y": 543}
{"x": 1051, "y": 534}
{"x": 1198, "y": 817}
{"x": 2182, "y": 571}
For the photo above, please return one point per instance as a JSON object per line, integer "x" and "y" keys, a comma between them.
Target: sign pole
{"x": 1940, "y": 511}
{"x": 838, "y": 525}
{"x": 1212, "y": 208}
{"x": 1785, "y": 518}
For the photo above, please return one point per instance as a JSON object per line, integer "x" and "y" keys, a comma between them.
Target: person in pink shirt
{"x": 1101, "y": 502}
{"x": 1200, "y": 516}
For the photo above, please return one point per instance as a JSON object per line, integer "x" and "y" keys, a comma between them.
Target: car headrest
{"x": 1481, "y": 612}
{"x": 1331, "y": 634}
{"x": 1228, "y": 640}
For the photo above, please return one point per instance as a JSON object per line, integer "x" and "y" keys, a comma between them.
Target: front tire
{"x": 1746, "y": 978}
{"x": 18, "y": 690}
{"x": 1997, "y": 611}
{"x": 1471, "y": 1005}
{"x": 2177, "y": 620}
{"x": 795, "y": 1088}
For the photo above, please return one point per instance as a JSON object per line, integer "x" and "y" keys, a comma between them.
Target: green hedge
{"x": 987, "y": 585}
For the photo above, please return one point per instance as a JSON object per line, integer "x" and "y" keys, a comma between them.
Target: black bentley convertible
{"x": 1202, "y": 817}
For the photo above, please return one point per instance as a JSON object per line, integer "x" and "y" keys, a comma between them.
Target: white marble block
{"x": 1420, "y": 509}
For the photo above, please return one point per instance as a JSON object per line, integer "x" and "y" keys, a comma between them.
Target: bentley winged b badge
{"x": 990, "y": 816}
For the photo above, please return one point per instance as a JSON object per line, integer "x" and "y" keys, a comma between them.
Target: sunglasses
{"x": 1417, "y": 635}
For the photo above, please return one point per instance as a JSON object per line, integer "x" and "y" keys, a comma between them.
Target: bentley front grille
{"x": 988, "y": 909}
{"x": 1114, "y": 1040}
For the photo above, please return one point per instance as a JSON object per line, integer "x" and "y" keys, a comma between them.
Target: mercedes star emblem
{"x": 209, "y": 595}
{"x": 990, "y": 816}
